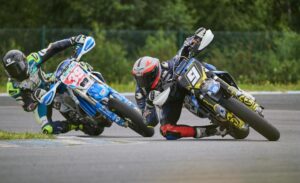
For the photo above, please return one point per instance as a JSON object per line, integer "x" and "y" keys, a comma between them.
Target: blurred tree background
{"x": 257, "y": 41}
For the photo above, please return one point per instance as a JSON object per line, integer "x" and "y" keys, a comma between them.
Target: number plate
{"x": 193, "y": 75}
{"x": 74, "y": 76}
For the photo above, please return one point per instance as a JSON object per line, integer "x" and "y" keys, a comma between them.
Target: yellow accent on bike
{"x": 243, "y": 98}
{"x": 235, "y": 121}
{"x": 248, "y": 102}
{"x": 201, "y": 80}
{"x": 233, "y": 91}
{"x": 208, "y": 103}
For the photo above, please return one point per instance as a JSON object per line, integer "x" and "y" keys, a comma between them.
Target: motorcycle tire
{"x": 92, "y": 130}
{"x": 239, "y": 133}
{"x": 257, "y": 122}
{"x": 136, "y": 119}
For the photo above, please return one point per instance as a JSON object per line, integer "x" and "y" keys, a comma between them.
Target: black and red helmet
{"x": 147, "y": 71}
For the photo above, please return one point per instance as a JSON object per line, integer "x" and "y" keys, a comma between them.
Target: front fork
{"x": 103, "y": 110}
{"x": 245, "y": 99}
{"x": 221, "y": 112}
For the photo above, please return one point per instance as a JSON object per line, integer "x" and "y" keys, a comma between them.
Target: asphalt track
{"x": 119, "y": 155}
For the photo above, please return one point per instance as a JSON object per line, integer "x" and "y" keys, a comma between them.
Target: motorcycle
{"x": 91, "y": 97}
{"x": 215, "y": 95}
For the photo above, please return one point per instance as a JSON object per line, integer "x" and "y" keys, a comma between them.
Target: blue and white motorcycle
{"x": 92, "y": 96}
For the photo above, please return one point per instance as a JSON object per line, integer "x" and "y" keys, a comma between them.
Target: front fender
{"x": 224, "y": 75}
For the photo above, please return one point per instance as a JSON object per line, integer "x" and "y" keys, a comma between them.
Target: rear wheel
{"x": 257, "y": 122}
{"x": 92, "y": 130}
{"x": 134, "y": 117}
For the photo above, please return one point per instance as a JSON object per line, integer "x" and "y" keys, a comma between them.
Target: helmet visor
{"x": 18, "y": 71}
{"x": 147, "y": 79}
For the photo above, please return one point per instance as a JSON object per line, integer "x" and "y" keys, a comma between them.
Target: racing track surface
{"x": 120, "y": 155}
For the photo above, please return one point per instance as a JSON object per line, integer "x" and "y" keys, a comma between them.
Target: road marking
{"x": 5, "y": 144}
{"x": 10, "y": 107}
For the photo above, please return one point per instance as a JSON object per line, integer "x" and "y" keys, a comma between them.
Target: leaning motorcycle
{"x": 215, "y": 95}
{"x": 95, "y": 98}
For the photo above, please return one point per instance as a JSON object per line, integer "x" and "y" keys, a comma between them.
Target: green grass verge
{"x": 2, "y": 88}
{"x": 248, "y": 87}
{"x": 270, "y": 87}
{"x": 130, "y": 87}
{"x": 4, "y": 135}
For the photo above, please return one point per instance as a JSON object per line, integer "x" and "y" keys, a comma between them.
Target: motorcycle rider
{"x": 151, "y": 76}
{"x": 26, "y": 81}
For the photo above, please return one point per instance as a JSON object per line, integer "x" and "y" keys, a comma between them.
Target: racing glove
{"x": 150, "y": 117}
{"x": 29, "y": 104}
{"x": 38, "y": 94}
{"x": 78, "y": 39}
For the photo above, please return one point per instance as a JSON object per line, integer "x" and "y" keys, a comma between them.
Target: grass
{"x": 4, "y": 135}
{"x": 248, "y": 87}
{"x": 270, "y": 87}
{"x": 2, "y": 88}
{"x": 130, "y": 87}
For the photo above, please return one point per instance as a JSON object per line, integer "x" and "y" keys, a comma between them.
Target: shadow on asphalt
{"x": 149, "y": 139}
{"x": 207, "y": 140}
{"x": 104, "y": 136}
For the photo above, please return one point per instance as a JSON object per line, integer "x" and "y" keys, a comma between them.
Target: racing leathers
{"x": 171, "y": 110}
{"x": 23, "y": 91}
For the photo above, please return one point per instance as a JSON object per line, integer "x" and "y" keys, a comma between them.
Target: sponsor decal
{"x": 9, "y": 62}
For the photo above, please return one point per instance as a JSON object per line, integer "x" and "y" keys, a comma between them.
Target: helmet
{"x": 147, "y": 71}
{"x": 15, "y": 65}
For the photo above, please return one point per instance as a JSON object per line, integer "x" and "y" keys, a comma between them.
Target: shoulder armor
{"x": 34, "y": 57}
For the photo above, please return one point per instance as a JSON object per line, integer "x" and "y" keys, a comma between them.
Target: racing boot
{"x": 210, "y": 130}
{"x": 57, "y": 127}
{"x": 174, "y": 132}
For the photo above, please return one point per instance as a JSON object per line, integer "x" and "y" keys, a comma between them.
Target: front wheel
{"x": 257, "y": 122}
{"x": 135, "y": 119}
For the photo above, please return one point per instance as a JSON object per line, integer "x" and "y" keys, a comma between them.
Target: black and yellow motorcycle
{"x": 219, "y": 98}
